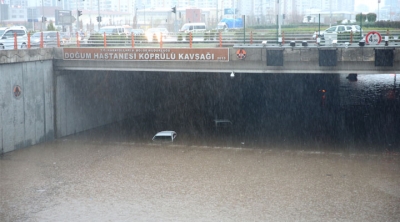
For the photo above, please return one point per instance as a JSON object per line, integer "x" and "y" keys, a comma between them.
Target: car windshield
{"x": 162, "y": 138}
{"x": 185, "y": 27}
{"x": 331, "y": 29}
{"x": 1, "y": 32}
{"x": 136, "y": 31}
{"x": 155, "y": 30}
{"x": 108, "y": 30}
{"x": 36, "y": 35}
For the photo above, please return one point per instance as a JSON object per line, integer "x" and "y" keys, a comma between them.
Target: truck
{"x": 230, "y": 23}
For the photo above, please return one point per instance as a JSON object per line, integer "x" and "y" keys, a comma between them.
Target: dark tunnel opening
{"x": 299, "y": 111}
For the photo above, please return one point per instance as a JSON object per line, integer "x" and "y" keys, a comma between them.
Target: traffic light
{"x": 98, "y": 18}
{"x": 79, "y": 13}
{"x": 44, "y": 19}
{"x": 174, "y": 9}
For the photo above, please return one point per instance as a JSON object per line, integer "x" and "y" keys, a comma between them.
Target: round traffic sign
{"x": 373, "y": 38}
{"x": 241, "y": 54}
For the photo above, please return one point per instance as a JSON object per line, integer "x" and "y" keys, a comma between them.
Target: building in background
{"x": 153, "y": 13}
{"x": 16, "y": 10}
{"x": 390, "y": 10}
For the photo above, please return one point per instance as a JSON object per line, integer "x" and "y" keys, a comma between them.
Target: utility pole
{"x": 41, "y": 27}
{"x": 174, "y": 11}
{"x": 77, "y": 16}
{"x": 379, "y": 1}
{"x": 98, "y": 12}
{"x": 279, "y": 18}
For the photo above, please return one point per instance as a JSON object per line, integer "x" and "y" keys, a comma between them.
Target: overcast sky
{"x": 372, "y": 5}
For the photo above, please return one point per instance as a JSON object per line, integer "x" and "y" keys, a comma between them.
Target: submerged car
{"x": 222, "y": 123}
{"x": 223, "y": 126}
{"x": 165, "y": 136}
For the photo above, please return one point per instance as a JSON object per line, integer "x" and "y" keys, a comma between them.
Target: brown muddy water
{"x": 104, "y": 178}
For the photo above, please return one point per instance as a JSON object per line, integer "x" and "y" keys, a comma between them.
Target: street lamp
{"x": 144, "y": 15}
{"x": 379, "y": 1}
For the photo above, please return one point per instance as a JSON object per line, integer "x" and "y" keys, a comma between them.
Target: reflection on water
{"x": 371, "y": 110}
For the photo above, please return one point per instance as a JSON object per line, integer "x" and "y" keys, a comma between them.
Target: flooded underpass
{"x": 300, "y": 148}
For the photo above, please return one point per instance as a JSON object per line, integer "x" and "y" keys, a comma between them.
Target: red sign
{"x": 373, "y": 38}
{"x": 147, "y": 54}
{"x": 241, "y": 54}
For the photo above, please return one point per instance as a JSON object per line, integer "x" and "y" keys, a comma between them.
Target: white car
{"x": 49, "y": 39}
{"x": 158, "y": 32}
{"x": 222, "y": 123}
{"x": 332, "y": 32}
{"x": 7, "y": 37}
{"x": 165, "y": 136}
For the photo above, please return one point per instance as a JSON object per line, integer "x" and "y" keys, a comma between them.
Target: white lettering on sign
{"x": 77, "y": 55}
{"x": 146, "y": 54}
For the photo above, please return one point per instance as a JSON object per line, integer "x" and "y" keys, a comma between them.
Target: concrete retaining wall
{"x": 26, "y": 119}
{"x": 86, "y": 100}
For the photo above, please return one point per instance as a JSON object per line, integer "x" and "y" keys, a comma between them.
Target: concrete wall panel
{"x": 27, "y": 119}
{"x": 86, "y": 100}
{"x": 18, "y": 105}
{"x": 7, "y": 118}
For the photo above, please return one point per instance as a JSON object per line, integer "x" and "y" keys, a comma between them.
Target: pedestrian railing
{"x": 203, "y": 39}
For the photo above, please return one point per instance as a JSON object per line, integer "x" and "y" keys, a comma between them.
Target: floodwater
{"x": 80, "y": 179}
{"x": 325, "y": 153}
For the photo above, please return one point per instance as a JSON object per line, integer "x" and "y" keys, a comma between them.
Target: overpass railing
{"x": 204, "y": 39}
{"x": 215, "y": 39}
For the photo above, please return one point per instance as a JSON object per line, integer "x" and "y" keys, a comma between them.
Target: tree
{"x": 50, "y": 27}
{"x": 358, "y": 16}
{"x": 371, "y": 17}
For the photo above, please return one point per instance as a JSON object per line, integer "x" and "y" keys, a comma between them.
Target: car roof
{"x": 157, "y": 29}
{"x": 196, "y": 23}
{"x": 13, "y": 27}
{"x": 165, "y": 133}
{"x": 113, "y": 26}
{"x": 222, "y": 121}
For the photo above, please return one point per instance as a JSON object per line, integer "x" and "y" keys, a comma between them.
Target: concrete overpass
{"x": 47, "y": 94}
{"x": 258, "y": 59}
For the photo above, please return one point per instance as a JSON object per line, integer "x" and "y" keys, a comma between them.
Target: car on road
{"x": 65, "y": 37}
{"x": 165, "y": 136}
{"x": 137, "y": 31}
{"x": 333, "y": 31}
{"x": 114, "y": 30}
{"x": 49, "y": 39}
{"x": 158, "y": 32}
{"x": 193, "y": 27}
{"x": 7, "y": 37}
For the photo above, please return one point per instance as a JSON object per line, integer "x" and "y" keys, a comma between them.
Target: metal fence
{"x": 203, "y": 39}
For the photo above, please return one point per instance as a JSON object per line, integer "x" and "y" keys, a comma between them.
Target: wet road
{"x": 104, "y": 176}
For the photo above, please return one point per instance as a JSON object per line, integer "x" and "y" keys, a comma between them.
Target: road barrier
{"x": 198, "y": 40}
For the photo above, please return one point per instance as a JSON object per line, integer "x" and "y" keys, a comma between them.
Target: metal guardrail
{"x": 204, "y": 39}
